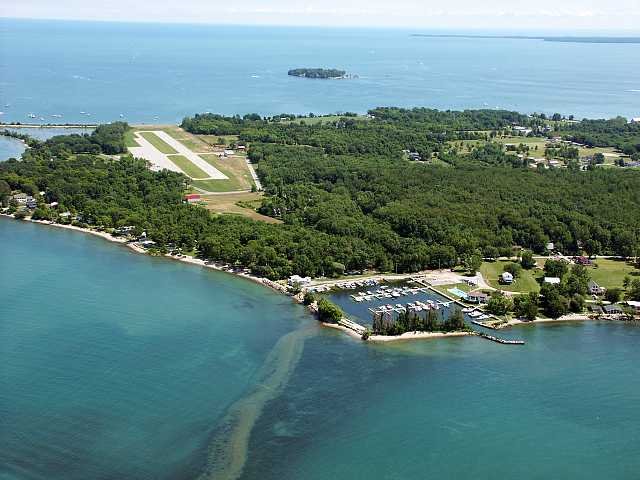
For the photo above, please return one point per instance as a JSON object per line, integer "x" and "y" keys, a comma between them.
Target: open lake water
{"x": 118, "y": 365}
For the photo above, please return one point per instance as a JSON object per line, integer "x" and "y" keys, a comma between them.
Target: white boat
{"x": 467, "y": 310}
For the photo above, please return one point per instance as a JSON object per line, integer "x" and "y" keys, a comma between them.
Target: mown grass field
{"x": 157, "y": 142}
{"x": 187, "y": 166}
{"x": 526, "y": 282}
{"x": 234, "y": 167}
{"x": 610, "y": 273}
{"x": 129, "y": 139}
{"x": 240, "y": 203}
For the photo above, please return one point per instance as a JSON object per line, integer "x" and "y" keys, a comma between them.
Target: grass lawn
{"x": 157, "y": 142}
{"x": 610, "y": 273}
{"x": 129, "y": 139}
{"x": 216, "y": 186}
{"x": 192, "y": 142}
{"x": 237, "y": 204}
{"x": 234, "y": 167}
{"x": 187, "y": 166}
{"x": 526, "y": 282}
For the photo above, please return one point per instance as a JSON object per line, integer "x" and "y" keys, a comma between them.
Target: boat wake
{"x": 228, "y": 449}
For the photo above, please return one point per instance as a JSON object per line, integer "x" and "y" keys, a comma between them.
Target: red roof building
{"x": 192, "y": 198}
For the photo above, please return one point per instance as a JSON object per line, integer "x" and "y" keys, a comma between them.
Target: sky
{"x": 514, "y": 15}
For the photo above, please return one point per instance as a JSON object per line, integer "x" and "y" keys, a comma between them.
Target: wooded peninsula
{"x": 392, "y": 191}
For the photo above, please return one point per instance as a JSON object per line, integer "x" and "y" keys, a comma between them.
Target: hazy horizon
{"x": 496, "y": 15}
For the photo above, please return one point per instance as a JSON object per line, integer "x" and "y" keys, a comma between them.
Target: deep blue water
{"x": 160, "y": 73}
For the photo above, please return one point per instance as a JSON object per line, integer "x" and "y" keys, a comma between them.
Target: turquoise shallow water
{"x": 562, "y": 406}
{"x": 117, "y": 365}
{"x": 160, "y": 73}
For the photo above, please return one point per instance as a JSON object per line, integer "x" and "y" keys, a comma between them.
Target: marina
{"x": 386, "y": 292}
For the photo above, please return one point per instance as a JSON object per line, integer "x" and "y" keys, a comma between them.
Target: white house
{"x": 297, "y": 279}
{"x": 635, "y": 120}
{"x": 552, "y": 280}
{"x": 507, "y": 278}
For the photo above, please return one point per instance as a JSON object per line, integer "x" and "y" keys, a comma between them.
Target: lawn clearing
{"x": 237, "y": 204}
{"x": 188, "y": 167}
{"x": 526, "y": 282}
{"x": 234, "y": 167}
{"x": 610, "y": 273}
{"x": 129, "y": 139}
{"x": 158, "y": 143}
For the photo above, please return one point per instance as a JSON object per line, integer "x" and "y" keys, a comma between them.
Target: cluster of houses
{"x": 24, "y": 200}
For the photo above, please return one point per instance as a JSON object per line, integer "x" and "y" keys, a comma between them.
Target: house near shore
{"x": 297, "y": 279}
{"x": 506, "y": 278}
{"x": 477, "y": 297}
{"x": 595, "y": 289}
{"x": 614, "y": 309}
{"x": 20, "y": 198}
{"x": 192, "y": 198}
{"x": 597, "y": 309}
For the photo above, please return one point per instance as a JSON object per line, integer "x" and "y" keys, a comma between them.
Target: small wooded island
{"x": 323, "y": 73}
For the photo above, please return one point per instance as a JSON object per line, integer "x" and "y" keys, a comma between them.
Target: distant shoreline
{"x": 47, "y": 125}
{"x": 560, "y": 39}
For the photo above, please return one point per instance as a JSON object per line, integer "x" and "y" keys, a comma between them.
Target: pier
{"x": 502, "y": 341}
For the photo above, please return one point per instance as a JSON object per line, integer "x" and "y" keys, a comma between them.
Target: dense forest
{"x": 348, "y": 197}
